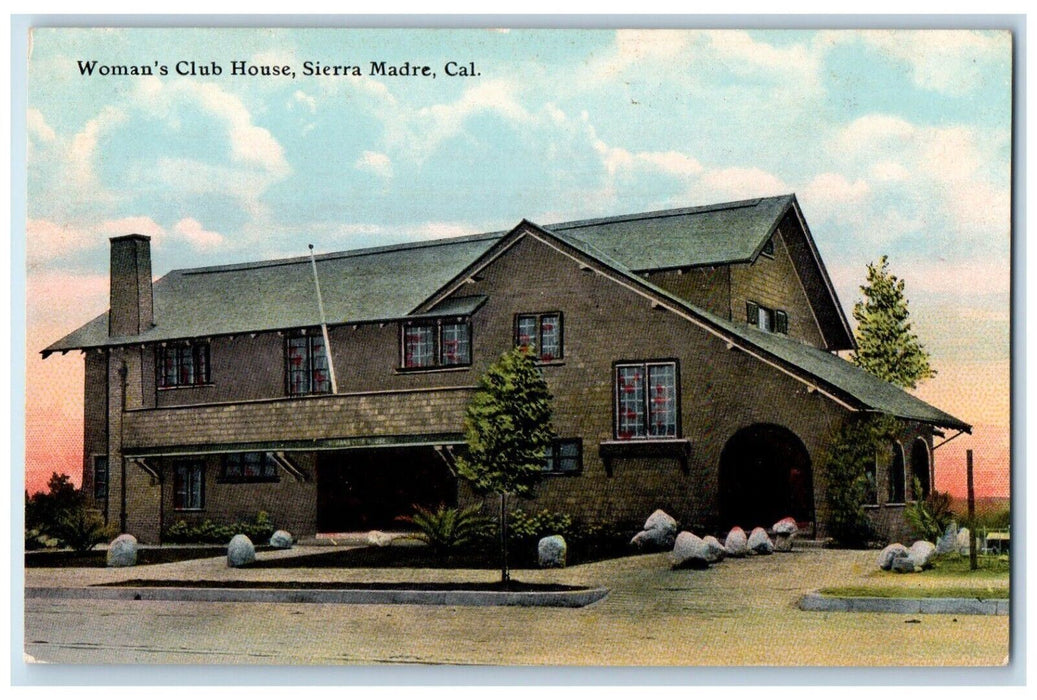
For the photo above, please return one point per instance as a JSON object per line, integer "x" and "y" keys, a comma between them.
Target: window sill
{"x": 208, "y": 385}
{"x": 431, "y": 370}
{"x": 550, "y": 363}
{"x": 189, "y": 510}
{"x": 247, "y": 480}
{"x": 870, "y": 506}
{"x": 312, "y": 394}
{"x": 562, "y": 474}
{"x": 894, "y": 505}
{"x": 680, "y": 448}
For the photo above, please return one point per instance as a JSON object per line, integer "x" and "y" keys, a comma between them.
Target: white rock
{"x": 948, "y": 541}
{"x": 659, "y": 533}
{"x": 716, "y": 550}
{"x": 786, "y": 526}
{"x": 904, "y": 565}
{"x": 736, "y": 544}
{"x": 282, "y": 539}
{"x": 240, "y": 551}
{"x": 759, "y": 542}
{"x": 922, "y": 553}
{"x": 123, "y": 551}
{"x": 376, "y": 538}
{"x": 551, "y": 552}
{"x": 690, "y": 552}
{"x": 963, "y": 542}
{"x": 887, "y": 555}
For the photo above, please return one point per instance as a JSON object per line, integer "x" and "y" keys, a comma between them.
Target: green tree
{"x": 886, "y": 344}
{"x": 507, "y": 428}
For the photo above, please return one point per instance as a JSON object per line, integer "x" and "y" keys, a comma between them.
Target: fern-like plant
{"x": 929, "y": 516}
{"x": 446, "y": 529}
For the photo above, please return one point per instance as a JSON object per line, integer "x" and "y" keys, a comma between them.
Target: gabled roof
{"x": 840, "y": 377}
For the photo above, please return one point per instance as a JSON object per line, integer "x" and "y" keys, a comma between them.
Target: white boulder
{"x": 922, "y": 553}
{"x": 785, "y": 526}
{"x": 282, "y": 539}
{"x": 716, "y": 550}
{"x": 659, "y": 532}
{"x": 904, "y": 565}
{"x": 893, "y": 551}
{"x": 123, "y": 551}
{"x": 551, "y": 552}
{"x": 240, "y": 551}
{"x": 963, "y": 542}
{"x": 948, "y": 541}
{"x": 376, "y": 538}
{"x": 759, "y": 542}
{"x": 690, "y": 552}
{"x": 736, "y": 544}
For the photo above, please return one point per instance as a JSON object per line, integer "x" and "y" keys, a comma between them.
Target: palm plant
{"x": 446, "y": 529}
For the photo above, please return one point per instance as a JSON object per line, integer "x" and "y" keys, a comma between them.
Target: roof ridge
{"x": 664, "y": 213}
{"x": 337, "y": 255}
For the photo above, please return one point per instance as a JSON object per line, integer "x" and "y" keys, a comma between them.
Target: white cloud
{"x": 37, "y": 126}
{"x": 375, "y": 163}
{"x": 196, "y": 236}
{"x": 739, "y": 183}
{"x": 954, "y": 62}
{"x": 300, "y": 97}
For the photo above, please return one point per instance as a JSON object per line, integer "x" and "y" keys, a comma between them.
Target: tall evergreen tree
{"x": 886, "y": 344}
{"x": 507, "y": 428}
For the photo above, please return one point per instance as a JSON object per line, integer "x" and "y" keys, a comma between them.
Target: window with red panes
{"x": 183, "y": 364}
{"x": 307, "y": 364}
{"x": 436, "y": 343}
{"x": 542, "y": 332}
{"x": 646, "y": 400}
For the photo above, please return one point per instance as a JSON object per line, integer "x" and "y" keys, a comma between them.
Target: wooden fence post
{"x": 973, "y": 564}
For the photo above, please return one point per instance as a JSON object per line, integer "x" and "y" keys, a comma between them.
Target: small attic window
{"x": 768, "y": 248}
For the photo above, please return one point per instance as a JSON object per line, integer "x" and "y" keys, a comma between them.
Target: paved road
{"x": 740, "y": 612}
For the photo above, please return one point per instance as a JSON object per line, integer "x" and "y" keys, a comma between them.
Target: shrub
{"x": 209, "y": 532}
{"x": 535, "y": 525}
{"x": 446, "y": 529}
{"x": 37, "y": 539}
{"x": 929, "y": 516}
{"x": 81, "y": 529}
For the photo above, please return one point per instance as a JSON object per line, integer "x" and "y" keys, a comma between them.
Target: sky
{"x": 895, "y": 142}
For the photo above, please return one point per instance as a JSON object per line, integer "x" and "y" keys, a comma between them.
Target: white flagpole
{"x": 323, "y": 324}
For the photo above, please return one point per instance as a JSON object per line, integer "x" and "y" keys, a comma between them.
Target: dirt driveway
{"x": 740, "y": 612}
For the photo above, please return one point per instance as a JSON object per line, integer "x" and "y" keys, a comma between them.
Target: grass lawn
{"x": 992, "y": 592}
{"x": 98, "y": 558}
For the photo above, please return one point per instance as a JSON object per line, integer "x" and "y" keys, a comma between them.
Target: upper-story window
{"x": 436, "y": 343}
{"x": 185, "y": 364}
{"x": 770, "y": 320}
{"x": 646, "y": 400}
{"x": 543, "y": 332}
{"x": 307, "y": 362}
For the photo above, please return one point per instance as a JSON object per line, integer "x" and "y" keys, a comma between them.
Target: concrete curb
{"x": 815, "y": 602}
{"x": 557, "y": 599}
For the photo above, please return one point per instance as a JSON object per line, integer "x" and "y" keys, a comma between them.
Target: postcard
{"x": 518, "y": 347}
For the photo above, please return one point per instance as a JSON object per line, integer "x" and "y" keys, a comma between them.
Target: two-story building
{"x": 691, "y": 354}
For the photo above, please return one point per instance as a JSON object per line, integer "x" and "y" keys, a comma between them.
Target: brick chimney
{"x": 132, "y": 305}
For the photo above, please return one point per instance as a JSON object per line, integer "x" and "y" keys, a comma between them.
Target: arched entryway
{"x": 921, "y": 465}
{"x": 765, "y": 475}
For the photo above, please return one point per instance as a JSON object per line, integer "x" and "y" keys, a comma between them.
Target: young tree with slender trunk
{"x": 507, "y": 428}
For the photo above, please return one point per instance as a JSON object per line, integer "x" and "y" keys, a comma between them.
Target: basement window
{"x": 565, "y": 456}
{"x": 247, "y": 467}
{"x": 307, "y": 364}
{"x": 436, "y": 343}
{"x": 183, "y": 365}
{"x": 540, "y": 332}
{"x": 647, "y": 400}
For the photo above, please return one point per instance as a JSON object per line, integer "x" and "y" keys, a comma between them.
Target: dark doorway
{"x": 368, "y": 489}
{"x": 920, "y": 467}
{"x": 765, "y": 476}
